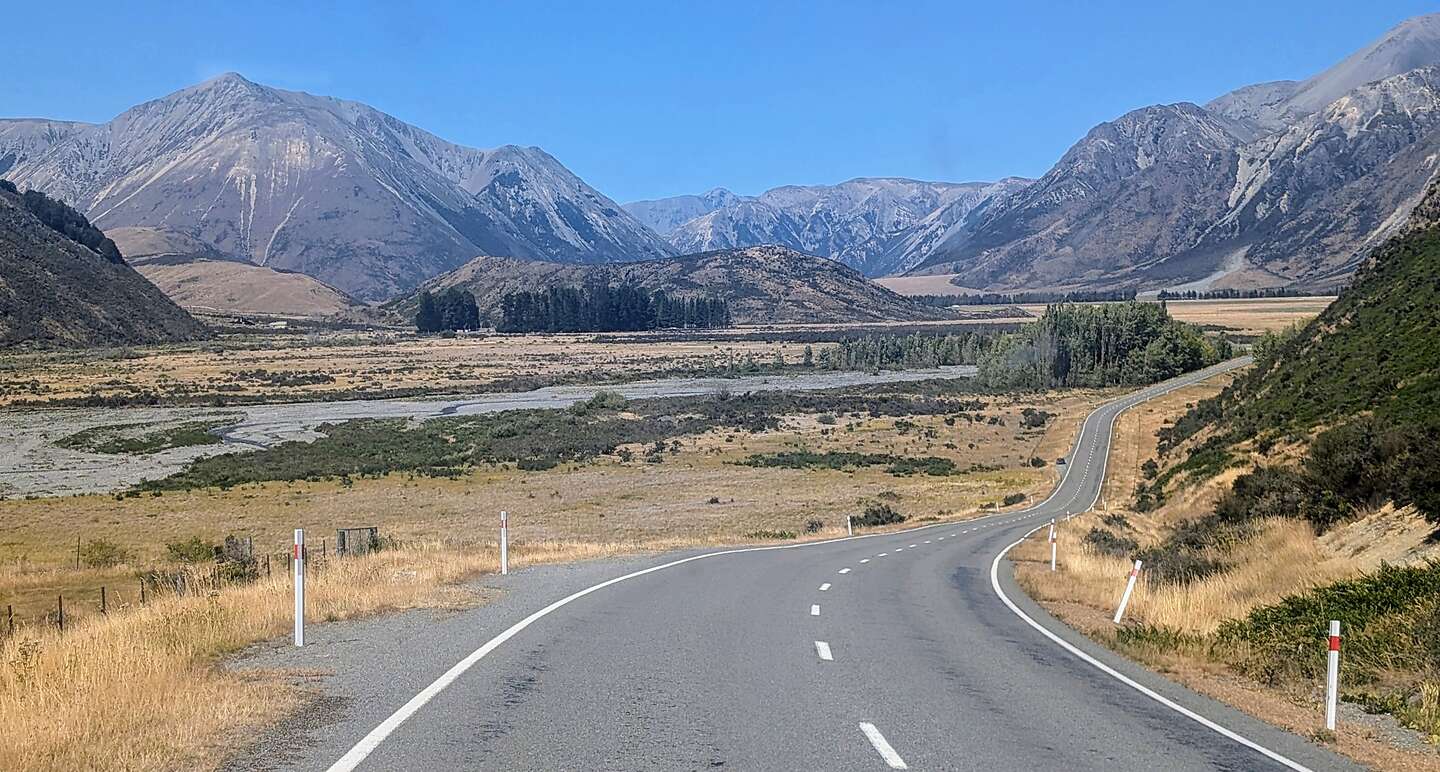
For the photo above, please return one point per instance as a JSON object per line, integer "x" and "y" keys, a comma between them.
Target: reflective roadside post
{"x": 1332, "y": 676}
{"x": 1129, "y": 588}
{"x": 299, "y": 563}
{"x": 504, "y": 543}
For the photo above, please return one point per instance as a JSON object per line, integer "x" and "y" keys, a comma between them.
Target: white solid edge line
{"x": 1097, "y": 664}
{"x": 822, "y": 650}
{"x": 882, "y": 746}
{"x": 367, "y": 744}
{"x": 1121, "y": 677}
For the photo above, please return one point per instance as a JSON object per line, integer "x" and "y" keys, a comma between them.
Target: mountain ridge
{"x": 329, "y": 187}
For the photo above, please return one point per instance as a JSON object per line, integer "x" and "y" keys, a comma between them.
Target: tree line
{"x": 454, "y": 309}
{"x": 1245, "y": 294}
{"x": 880, "y": 352}
{"x": 1099, "y": 345}
{"x": 1025, "y": 298}
{"x": 603, "y": 308}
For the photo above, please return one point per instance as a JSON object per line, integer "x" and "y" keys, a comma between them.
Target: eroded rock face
{"x": 330, "y": 188}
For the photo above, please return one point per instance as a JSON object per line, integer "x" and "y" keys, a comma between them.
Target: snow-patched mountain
{"x": 1259, "y": 188}
{"x": 331, "y": 188}
{"x": 865, "y": 223}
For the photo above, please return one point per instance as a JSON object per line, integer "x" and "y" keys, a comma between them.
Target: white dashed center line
{"x": 844, "y": 570}
{"x": 864, "y": 560}
{"x": 883, "y": 554}
{"x": 822, "y": 649}
{"x": 913, "y": 546}
{"x": 899, "y": 549}
{"x": 815, "y": 609}
{"x": 882, "y": 746}
{"x": 824, "y": 587}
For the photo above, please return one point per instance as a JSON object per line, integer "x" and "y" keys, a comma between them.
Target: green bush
{"x": 1012, "y": 499}
{"x": 192, "y": 550}
{"x": 99, "y": 553}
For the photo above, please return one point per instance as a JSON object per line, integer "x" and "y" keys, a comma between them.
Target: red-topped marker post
{"x": 1332, "y": 676}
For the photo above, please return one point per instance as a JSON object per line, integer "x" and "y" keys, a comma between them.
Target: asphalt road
{"x": 908, "y": 650}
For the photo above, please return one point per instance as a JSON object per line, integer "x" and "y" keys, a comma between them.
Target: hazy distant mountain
{"x": 62, "y": 283}
{"x": 764, "y": 285}
{"x": 327, "y": 187}
{"x": 664, "y": 215}
{"x": 1280, "y": 183}
{"x": 865, "y": 223}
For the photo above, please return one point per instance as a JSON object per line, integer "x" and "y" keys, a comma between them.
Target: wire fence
{"x": 233, "y": 564}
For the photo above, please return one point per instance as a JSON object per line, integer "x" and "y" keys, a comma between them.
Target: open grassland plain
{"x": 1199, "y": 630}
{"x": 770, "y": 468}
{"x": 247, "y": 369}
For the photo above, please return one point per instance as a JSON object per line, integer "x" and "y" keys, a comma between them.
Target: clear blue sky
{"x": 661, "y": 98}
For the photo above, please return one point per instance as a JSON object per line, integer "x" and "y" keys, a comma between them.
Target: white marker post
{"x": 1052, "y": 545}
{"x": 504, "y": 543}
{"x": 1129, "y": 588}
{"x": 1332, "y": 677}
{"x": 849, "y": 529}
{"x": 299, "y": 563}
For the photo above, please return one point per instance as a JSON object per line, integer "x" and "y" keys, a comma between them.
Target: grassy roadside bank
{"x": 1241, "y": 616}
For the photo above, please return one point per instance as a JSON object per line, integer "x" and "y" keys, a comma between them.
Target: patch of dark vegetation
{"x": 896, "y": 465}
{"x": 878, "y": 514}
{"x": 1013, "y": 499}
{"x": 768, "y": 534}
{"x": 1106, "y": 543}
{"x": 130, "y": 438}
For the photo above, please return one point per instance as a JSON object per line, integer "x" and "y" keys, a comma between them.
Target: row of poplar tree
{"x": 603, "y": 308}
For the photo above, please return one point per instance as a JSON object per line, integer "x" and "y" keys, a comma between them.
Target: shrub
{"x": 1037, "y": 462}
{"x": 826, "y": 419}
{"x": 814, "y": 525}
{"x": 99, "y": 553}
{"x": 1106, "y": 543}
{"x": 1012, "y": 499}
{"x": 767, "y": 534}
{"x": 192, "y": 550}
{"x": 878, "y": 514}
{"x": 536, "y": 464}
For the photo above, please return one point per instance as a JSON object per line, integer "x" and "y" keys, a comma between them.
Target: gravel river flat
{"x": 36, "y": 466}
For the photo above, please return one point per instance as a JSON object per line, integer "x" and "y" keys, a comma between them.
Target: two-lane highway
{"x": 903, "y": 650}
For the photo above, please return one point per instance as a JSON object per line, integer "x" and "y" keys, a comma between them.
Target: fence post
{"x": 1129, "y": 588}
{"x": 1332, "y": 676}
{"x": 849, "y": 527}
{"x": 103, "y": 608}
{"x": 298, "y": 559}
{"x": 10, "y": 618}
{"x": 504, "y": 543}
{"x": 60, "y": 603}
{"x": 1052, "y": 544}
{"x": 77, "y": 553}
{"x": 267, "y": 566}
{"x": 142, "y": 592}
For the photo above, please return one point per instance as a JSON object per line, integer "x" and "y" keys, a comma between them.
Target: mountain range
{"x": 1277, "y": 184}
{"x": 330, "y": 188}
{"x": 878, "y": 226}
{"x": 1284, "y": 183}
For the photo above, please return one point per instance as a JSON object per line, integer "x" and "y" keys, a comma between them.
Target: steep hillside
{"x": 875, "y": 225}
{"x": 1355, "y": 395}
{"x": 62, "y": 283}
{"x": 330, "y": 188}
{"x": 763, "y": 285}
